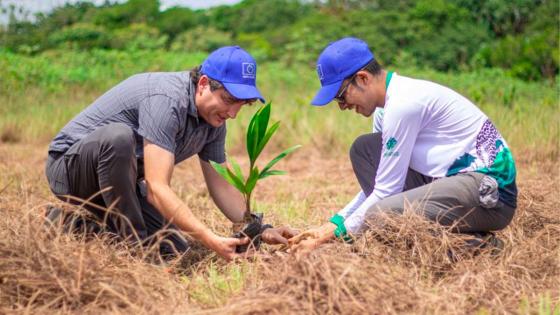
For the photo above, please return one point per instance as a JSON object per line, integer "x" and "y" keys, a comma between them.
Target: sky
{"x": 34, "y": 6}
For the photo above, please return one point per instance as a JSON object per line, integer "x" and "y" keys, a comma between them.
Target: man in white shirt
{"x": 430, "y": 147}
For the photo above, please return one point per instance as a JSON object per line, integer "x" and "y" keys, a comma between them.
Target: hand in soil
{"x": 225, "y": 246}
{"x": 305, "y": 245}
{"x": 280, "y": 235}
{"x": 312, "y": 238}
{"x": 305, "y": 241}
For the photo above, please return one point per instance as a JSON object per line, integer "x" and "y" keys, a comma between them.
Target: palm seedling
{"x": 258, "y": 135}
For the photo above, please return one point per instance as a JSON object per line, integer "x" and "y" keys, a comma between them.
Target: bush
{"x": 389, "y": 36}
{"x": 528, "y": 57}
{"x": 138, "y": 36}
{"x": 449, "y": 37}
{"x": 176, "y": 20}
{"x": 304, "y": 41}
{"x": 201, "y": 39}
{"x": 80, "y": 35}
{"x": 257, "y": 45}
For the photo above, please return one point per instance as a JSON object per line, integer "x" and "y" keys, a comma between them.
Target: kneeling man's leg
{"x": 105, "y": 160}
{"x": 365, "y": 156}
{"x": 450, "y": 201}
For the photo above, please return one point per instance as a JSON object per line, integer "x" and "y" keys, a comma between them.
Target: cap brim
{"x": 243, "y": 92}
{"x": 326, "y": 94}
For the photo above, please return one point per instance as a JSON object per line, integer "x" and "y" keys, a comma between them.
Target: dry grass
{"x": 408, "y": 270}
{"x": 10, "y": 133}
{"x": 404, "y": 268}
{"x": 44, "y": 271}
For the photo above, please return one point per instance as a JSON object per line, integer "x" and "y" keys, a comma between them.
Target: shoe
{"x": 478, "y": 242}
{"x": 486, "y": 240}
{"x": 53, "y": 216}
{"x": 70, "y": 223}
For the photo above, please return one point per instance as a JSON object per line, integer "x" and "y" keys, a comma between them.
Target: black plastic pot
{"x": 252, "y": 230}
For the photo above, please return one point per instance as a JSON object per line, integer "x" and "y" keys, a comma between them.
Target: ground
{"x": 404, "y": 269}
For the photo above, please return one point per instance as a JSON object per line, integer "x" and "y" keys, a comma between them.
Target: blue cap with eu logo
{"x": 338, "y": 61}
{"x": 235, "y": 69}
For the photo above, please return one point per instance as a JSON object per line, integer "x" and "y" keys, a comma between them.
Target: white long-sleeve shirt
{"x": 431, "y": 129}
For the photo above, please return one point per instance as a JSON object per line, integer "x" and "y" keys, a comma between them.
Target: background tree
{"x": 520, "y": 36}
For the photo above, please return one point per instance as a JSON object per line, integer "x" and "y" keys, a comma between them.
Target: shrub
{"x": 80, "y": 35}
{"x": 138, "y": 36}
{"x": 201, "y": 39}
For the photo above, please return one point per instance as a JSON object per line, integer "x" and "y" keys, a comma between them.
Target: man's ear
{"x": 203, "y": 82}
{"x": 363, "y": 78}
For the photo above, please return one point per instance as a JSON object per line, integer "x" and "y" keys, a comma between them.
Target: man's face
{"x": 217, "y": 106}
{"x": 353, "y": 95}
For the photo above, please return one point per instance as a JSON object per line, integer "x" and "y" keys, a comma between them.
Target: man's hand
{"x": 275, "y": 236}
{"x": 225, "y": 246}
{"x": 306, "y": 245}
{"x": 313, "y": 238}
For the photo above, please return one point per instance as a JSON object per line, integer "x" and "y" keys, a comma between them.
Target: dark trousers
{"x": 449, "y": 201}
{"x": 102, "y": 168}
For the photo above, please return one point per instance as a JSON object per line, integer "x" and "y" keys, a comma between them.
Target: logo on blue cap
{"x": 236, "y": 69}
{"x": 320, "y": 72}
{"x": 249, "y": 70}
{"x": 338, "y": 61}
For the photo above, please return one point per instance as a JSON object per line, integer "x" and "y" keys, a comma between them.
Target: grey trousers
{"x": 102, "y": 168}
{"x": 453, "y": 200}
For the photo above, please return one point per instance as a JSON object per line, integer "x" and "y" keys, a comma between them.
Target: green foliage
{"x": 216, "y": 284}
{"x": 519, "y": 35}
{"x": 504, "y": 17}
{"x": 532, "y": 55}
{"x": 130, "y": 12}
{"x": 201, "y": 38}
{"x": 176, "y": 20}
{"x": 253, "y": 16}
{"x": 40, "y": 94}
{"x": 391, "y": 31}
{"x": 258, "y": 135}
{"x": 303, "y": 41}
{"x": 261, "y": 49}
{"x": 65, "y": 15}
{"x": 138, "y": 36}
{"x": 12, "y": 38}
{"x": 445, "y": 25}
{"x": 544, "y": 305}
{"x": 80, "y": 35}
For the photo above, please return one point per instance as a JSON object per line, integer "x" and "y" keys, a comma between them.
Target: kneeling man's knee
{"x": 120, "y": 138}
{"x": 363, "y": 143}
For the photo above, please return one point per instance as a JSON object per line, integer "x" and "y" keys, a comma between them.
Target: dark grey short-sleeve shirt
{"x": 158, "y": 106}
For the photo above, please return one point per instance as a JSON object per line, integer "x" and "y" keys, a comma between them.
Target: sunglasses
{"x": 340, "y": 97}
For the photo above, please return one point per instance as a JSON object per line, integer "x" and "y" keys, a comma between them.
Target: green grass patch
{"x": 544, "y": 304}
{"x": 40, "y": 94}
{"x": 214, "y": 285}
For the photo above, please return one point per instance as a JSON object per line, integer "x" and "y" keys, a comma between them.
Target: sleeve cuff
{"x": 340, "y": 231}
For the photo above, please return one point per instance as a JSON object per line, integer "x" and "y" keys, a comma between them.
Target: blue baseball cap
{"x": 235, "y": 69}
{"x": 338, "y": 61}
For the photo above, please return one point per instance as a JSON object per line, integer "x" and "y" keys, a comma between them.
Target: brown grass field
{"x": 402, "y": 269}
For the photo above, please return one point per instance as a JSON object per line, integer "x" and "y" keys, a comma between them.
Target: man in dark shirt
{"x": 119, "y": 153}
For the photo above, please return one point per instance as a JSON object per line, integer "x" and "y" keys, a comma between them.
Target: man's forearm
{"x": 174, "y": 210}
{"x": 230, "y": 201}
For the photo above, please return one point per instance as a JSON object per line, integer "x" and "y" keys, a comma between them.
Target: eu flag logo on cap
{"x": 249, "y": 70}
{"x": 320, "y": 72}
